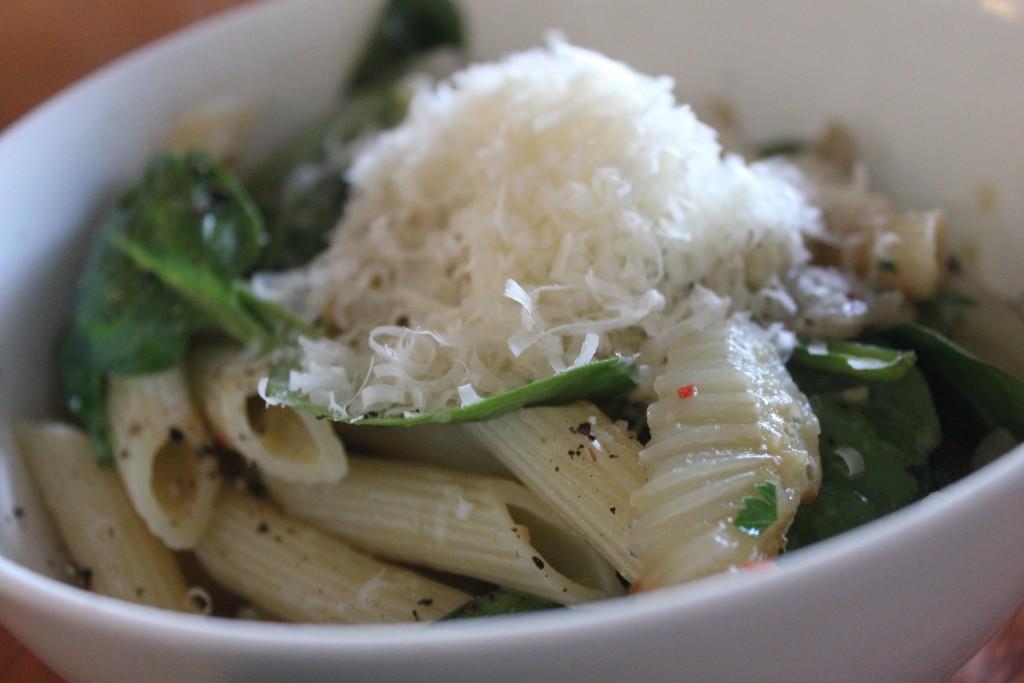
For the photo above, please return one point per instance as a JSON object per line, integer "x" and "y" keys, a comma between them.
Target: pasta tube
{"x": 299, "y": 573}
{"x": 911, "y": 253}
{"x": 109, "y": 543}
{"x": 284, "y": 443}
{"x": 161, "y": 447}
{"x": 579, "y": 462}
{"x": 728, "y": 419}
{"x": 483, "y": 527}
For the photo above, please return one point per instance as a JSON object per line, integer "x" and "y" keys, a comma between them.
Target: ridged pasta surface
{"x": 727, "y": 418}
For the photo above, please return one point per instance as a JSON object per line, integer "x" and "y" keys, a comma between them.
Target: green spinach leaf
{"x": 598, "y": 380}
{"x": 961, "y": 379}
{"x": 864, "y": 361}
{"x": 163, "y": 267}
{"x": 405, "y": 31}
{"x": 876, "y": 441}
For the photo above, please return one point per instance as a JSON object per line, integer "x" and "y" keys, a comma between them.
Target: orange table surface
{"x": 46, "y": 44}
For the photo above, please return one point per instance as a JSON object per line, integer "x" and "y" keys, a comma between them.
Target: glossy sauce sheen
{"x": 48, "y": 45}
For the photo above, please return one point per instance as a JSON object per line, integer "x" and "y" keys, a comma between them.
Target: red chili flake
{"x": 689, "y": 391}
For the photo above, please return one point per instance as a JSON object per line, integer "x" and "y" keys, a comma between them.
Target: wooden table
{"x": 46, "y": 44}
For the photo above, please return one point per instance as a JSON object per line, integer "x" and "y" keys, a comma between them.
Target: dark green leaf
{"x": 405, "y": 31}
{"x": 965, "y": 381}
{"x": 864, "y": 361}
{"x": 876, "y": 441}
{"x": 759, "y": 512}
{"x": 187, "y": 206}
{"x": 227, "y": 303}
{"x": 187, "y": 227}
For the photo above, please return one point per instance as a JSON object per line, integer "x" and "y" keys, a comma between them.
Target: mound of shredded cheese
{"x": 530, "y": 216}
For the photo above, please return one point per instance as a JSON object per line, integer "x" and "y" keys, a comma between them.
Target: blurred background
{"x": 46, "y": 45}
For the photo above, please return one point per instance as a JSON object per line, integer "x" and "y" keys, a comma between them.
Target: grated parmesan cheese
{"x": 530, "y": 216}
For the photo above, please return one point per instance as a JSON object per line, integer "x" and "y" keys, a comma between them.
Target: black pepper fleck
{"x": 584, "y": 430}
{"x": 84, "y": 575}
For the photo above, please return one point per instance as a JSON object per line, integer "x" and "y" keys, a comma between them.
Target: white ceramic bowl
{"x": 932, "y": 90}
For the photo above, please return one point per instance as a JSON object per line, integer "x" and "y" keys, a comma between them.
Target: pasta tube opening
{"x": 565, "y": 551}
{"x": 283, "y": 443}
{"x": 161, "y": 447}
{"x": 281, "y": 431}
{"x": 175, "y": 477}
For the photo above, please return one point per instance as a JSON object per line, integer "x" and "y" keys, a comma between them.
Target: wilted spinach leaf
{"x": 876, "y": 441}
{"x": 598, "y": 380}
{"x": 164, "y": 266}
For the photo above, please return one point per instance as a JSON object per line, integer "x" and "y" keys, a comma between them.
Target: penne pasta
{"x": 162, "y": 450}
{"x": 114, "y": 552}
{"x": 483, "y": 527}
{"x": 299, "y": 573}
{"x": 286, "y": 444}
{"x": 911, "y": 253}
{"x": 728, "y": 419}
{"x": 581, "y": 464}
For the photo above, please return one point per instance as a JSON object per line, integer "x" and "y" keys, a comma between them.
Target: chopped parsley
{"x": 759, "y": 512}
